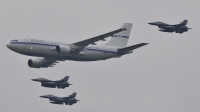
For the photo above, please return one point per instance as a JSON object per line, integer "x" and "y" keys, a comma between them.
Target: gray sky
{"x": 160, "y": 77}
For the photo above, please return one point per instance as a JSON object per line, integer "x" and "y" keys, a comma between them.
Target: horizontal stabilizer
{"x": 130, "y": 48}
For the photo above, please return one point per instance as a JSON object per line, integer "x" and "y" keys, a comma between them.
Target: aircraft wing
{"x": 66, "y": 78}
{"x": 184, "y": 23}
{"x": 78, "y": 46}
{"x": 66, "y": 98}
{"x": 177, "y": 25}
{"x": 48, "y": 62}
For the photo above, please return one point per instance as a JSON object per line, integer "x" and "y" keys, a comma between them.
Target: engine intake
{"x": 34, "y": 63}
{"x": 62, "y": 49}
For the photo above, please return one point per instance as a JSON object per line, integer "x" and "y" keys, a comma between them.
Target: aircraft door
{"x": 26, "y": 40}
{"x": 27, "y": 47}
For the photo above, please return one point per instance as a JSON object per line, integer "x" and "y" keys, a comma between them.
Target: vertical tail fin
{"x": 184, "y": 22}
{"x": 73, "y": 94}
{"x": 120, "y": 39}
{"x": 66, "y": 78}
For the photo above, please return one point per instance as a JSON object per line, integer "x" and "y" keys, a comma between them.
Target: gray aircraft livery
{"x": 53, "y": 84}
{"x": 178, "y": 28}
{"x": 53, "y": 51}
{"x": 70, "y": 100}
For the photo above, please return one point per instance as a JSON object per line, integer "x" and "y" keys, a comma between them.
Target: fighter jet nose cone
{"x": 38, "y": 80}
{"x": 43, "y": 96}
{"x": 151, "y": 23}
{"x": 35, "y": 80}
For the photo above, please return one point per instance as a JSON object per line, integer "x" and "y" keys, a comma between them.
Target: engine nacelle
{"x": 62, "y": 49}
{"x": 34, "y": 63}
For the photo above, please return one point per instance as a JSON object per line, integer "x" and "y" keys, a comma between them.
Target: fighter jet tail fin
{"x": 73, "y": 94}
{"x": 131, "y": 48}
{"x": 120, "y": 39}
{"x": 184, "y": 22}
{"x": 66, "y": 78}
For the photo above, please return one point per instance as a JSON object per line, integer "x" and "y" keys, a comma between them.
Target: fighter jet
{"x": 70, "y": 100}
{"x": 178, "y": 28}
{"x": 53, "y": 84}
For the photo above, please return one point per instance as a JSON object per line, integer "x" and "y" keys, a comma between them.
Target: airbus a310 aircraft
{"x": 85, "y": 50}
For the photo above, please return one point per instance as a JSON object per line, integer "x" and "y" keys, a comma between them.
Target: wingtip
{"x": 123, "y": 28}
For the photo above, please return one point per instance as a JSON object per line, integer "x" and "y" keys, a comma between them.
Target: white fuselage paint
{"x": 43, "y": 48}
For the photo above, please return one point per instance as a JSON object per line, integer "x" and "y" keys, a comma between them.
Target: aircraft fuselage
{"x": 44, "y": 48}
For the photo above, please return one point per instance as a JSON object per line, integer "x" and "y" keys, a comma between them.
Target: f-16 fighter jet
{"x": 178, "y": 28}
{"x": 53, "y": 84}
{"x": 70, "y": 100}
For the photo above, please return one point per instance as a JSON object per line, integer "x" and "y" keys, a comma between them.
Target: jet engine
{"x": 73, "y": 100}
{"x": 62, "y": 49}
{"x": 34, "y": 63}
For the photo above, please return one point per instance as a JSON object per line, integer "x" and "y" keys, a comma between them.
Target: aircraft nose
{"x": 151, "y": 23}
{"x": 34, "y": 79}
{"x": 11, "y": 47}
{"x": 38, "y": 79}
{"x": 43, "y": 96}
{"x": 8, "y": 46}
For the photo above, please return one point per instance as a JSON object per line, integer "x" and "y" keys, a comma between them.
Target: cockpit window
{"x": 14, "y": 40}
{"x": 159, "y": 22}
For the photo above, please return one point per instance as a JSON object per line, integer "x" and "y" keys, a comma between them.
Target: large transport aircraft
{"x": 51, "y": 52}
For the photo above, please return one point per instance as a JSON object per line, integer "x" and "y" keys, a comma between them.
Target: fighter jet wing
{"x": 183, "y": 23}
{"x": 64, "y": 79}
{"x": 66, "y": 98}
{"x": 70, "y": 96}
{"x": 78, "y": 46}
{"x": 177, "y": 25}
